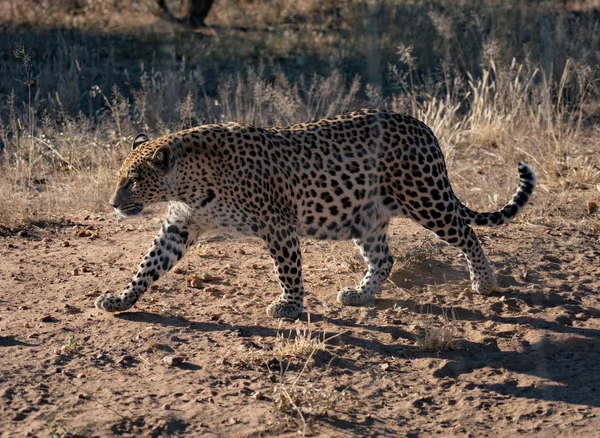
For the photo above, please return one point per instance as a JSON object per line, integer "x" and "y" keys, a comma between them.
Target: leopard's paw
{"x": 283, "y": 309}
{"x": 110, "y": 302}
{"x": 350, "y": 296}
{"x": 485, "y": 284}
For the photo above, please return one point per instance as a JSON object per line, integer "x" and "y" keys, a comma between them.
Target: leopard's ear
{"x": 161, "y": 159}
{"x": 141, "y": 138}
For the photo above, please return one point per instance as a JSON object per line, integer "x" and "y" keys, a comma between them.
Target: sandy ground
{"x": 525, "y": 360}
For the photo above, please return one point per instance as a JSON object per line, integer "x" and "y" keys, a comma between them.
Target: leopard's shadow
{"x": 450, "y": 267}
{"x": 432, "y": 271}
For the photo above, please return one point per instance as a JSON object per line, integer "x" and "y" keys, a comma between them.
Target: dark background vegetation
{"x": 123, "y": 48}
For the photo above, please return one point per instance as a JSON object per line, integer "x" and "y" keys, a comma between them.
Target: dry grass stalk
{"x": 297, "y": 395}
{"x": 300, "y": 343}
{"x": 438, "y": 335}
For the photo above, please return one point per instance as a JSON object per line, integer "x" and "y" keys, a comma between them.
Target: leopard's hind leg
{"x": 457, "y": 233}
{"x": 375, "y": 250}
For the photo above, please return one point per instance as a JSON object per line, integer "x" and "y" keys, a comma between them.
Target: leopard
{"x": 339, "y": 178}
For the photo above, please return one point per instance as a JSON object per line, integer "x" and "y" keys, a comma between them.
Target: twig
{"x": 58, "y": 154}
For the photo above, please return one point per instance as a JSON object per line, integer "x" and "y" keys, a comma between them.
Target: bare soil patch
{"x": 523, "y": 361}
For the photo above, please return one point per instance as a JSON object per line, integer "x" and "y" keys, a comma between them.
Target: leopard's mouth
{"x": 130, "y": 210}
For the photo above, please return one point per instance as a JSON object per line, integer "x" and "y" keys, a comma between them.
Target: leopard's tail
{"x": 510, "y": 210}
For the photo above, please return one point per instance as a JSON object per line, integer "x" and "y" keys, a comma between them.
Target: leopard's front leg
{"x": 170, "y": 245}
{"x": 284, "y": 247}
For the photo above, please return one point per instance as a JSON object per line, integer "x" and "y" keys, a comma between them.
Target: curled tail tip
{"x": 520, "y": 198}
{"x": 526, "y": 171}
{"x": 526, "y": 175}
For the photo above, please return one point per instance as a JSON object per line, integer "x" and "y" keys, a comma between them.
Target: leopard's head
{"x": 145, "y": 177}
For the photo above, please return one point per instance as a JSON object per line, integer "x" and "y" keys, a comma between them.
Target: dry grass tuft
{"x": 304, "y": 402}
{"x": 438, "y": 333}
{"x": 428, "y": 248}
{"x": 300, "y": 343}
{"x": 301, "y": 398}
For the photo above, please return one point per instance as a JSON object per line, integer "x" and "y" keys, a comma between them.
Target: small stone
{"x": 196, "y": 283}
{"x": 46, "y": 318}
{"x": 166, "y": 406}
{"x": 125, "y": 359}
{"x": 178, "y": 271}
{"x": 39, "y": 400}
{"x": 173, "y": 360}
{"x": 81, "y": 376}
{"x": 385, "y": 366}
{"x": 26, "y": 325}
{"x": 66, "y": 244}
{"x": 232, "y": 421}
{"x": 71, "y": 310}
{"x": 421, "y": 401}
{"x": 207, "y": 277}
{"x": 258, "y": 395}
{"x": 211, "y": 291}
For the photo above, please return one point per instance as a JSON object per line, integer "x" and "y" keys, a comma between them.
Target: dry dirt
{"x": 525, "y": 360}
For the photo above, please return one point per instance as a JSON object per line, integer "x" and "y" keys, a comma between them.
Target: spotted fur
{"x": 339, "y": 178}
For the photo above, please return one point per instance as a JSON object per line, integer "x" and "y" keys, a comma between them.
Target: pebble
{"x": 207, "y": 277}
{"x": 173, "y": 360}
{"x": 258, "y": 395}
{"x": 125, "y": 359}
{"x": 46, "y": 318}
{"x": 196, "y": 283}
